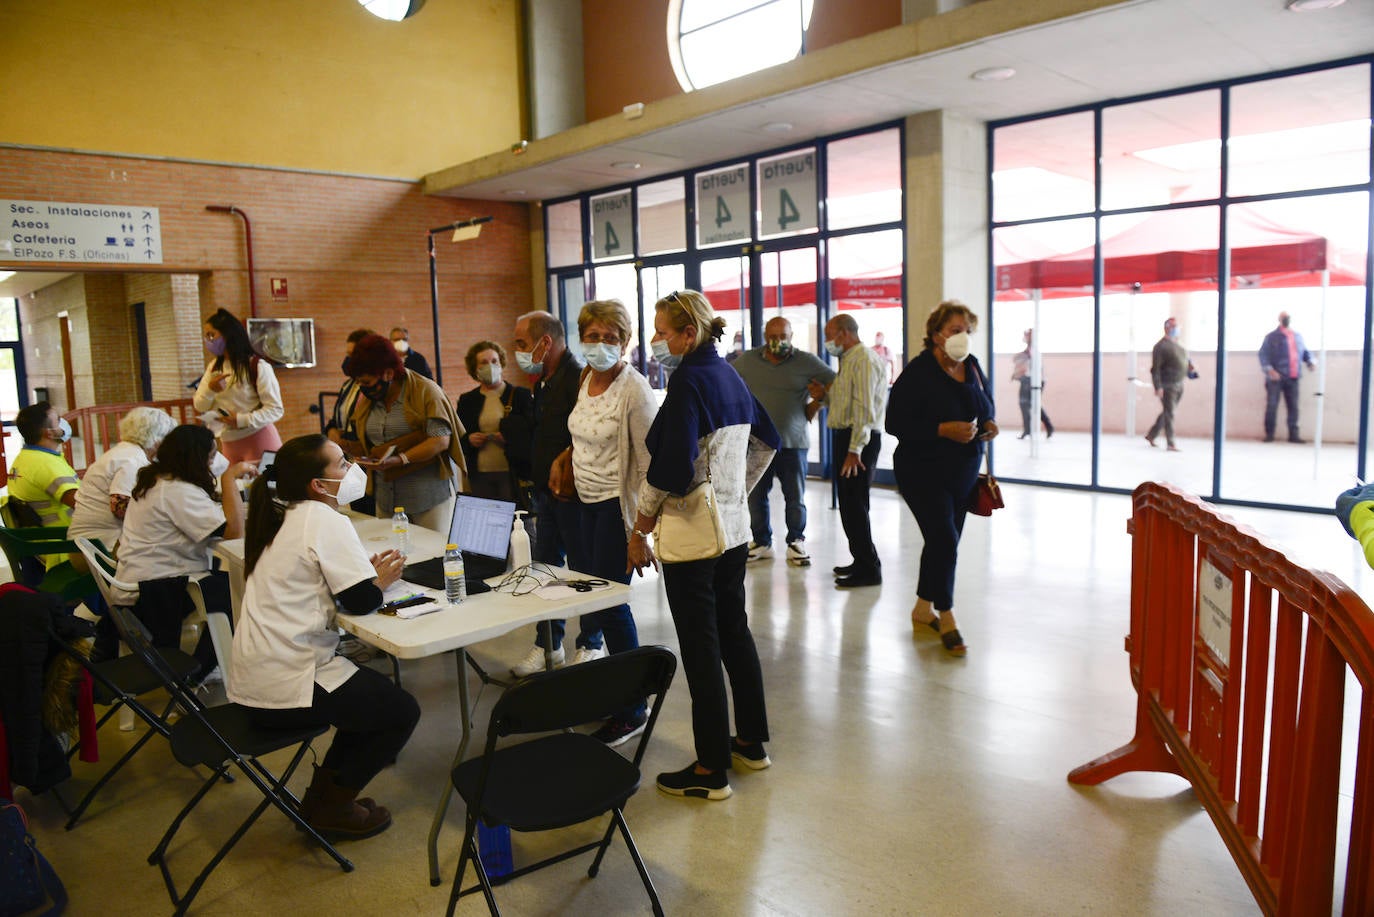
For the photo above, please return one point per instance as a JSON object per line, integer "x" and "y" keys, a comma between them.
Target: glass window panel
{"x": 761, "y": 35}
{"x": 9, "y": 386}
{"x": 662, "y": 217}
{"x": 563, "y": 224}
{"x": 612, "y": 225}
{"x": 1158, "y": 266}
{"x": 788, "y": 194}
{"x": 9, "y": 320}
{"x": 1162, "y": 151}
{"x": 723, "y": 206}
{"x": 1279, "y": 251}
{"x": 615, "y": 281}
{"x": 863, "y": 180}
{"x": 1304, "y": 131}
{"x": 789, "y": 281}
{"x": 657, "y": 282}
{"x": 1043, "y": 168}
{"x": 725, "y": 282}
{"x": 1044, "y": 286}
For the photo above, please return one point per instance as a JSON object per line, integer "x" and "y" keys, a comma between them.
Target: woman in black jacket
{"x": 941, "y": 412}
{"x": 498, "y": 460}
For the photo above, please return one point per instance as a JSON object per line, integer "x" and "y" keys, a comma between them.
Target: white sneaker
{"x": 760, "y": 551}
{"x": 796, "y": 554}
{"x": 587, "y": 654}
{"x": 534, "y": 661}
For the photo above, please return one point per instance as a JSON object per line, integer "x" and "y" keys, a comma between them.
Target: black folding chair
{"x": 119, "y": 683}
{"x": 565, "y": 778}
{"x": 221, "y": 738}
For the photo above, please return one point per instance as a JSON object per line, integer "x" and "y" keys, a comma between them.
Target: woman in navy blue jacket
{"x": 941, "y": 412}
{"x": 710, "y": 425}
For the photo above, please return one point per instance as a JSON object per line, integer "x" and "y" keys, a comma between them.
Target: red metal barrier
{"x": 1240, "y": 660}
{"x": 98, "y": 425}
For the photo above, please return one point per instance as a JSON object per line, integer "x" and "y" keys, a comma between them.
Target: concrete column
{"x": 946, "y": 217}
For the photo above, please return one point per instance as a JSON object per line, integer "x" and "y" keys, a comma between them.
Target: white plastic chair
{"x": 222, "y": 636}
{"x": 103, "y": 567}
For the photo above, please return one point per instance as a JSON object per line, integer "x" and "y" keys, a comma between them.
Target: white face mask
{"x": 601, "y": 356}
{"x": 66, "y": 429}
{"x": 401, "y": 346}
{"x": 956, "y": 346}
{"x": 490, "y": 373}
{"x": 834, "y": 349}
{"x": 351, "y": 486}
{"x": 218, "y": 465}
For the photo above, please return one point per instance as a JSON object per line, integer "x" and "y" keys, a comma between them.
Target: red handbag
{"x": 987, "y": 493}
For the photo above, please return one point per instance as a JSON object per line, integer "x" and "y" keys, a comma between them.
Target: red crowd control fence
{"x": 1240, "y": 659}
{"x": 98, "y": 425}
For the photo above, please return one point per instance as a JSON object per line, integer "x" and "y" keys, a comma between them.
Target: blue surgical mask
{"x": 833, "y": 348}
{"x": 525, "y": 360}
{"x": 666, "y": 358}
{"x": 601, "y": 356}
{"x": 66, "y": 429}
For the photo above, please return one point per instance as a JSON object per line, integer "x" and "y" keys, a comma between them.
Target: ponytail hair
{"x": 299, "y": 462}
{"x": 688, "y": 307}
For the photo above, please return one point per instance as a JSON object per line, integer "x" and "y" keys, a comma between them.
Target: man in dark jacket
{"x": 541, "y": 350}
{"x": 1170, "y": 366}
{"x": 1282, "y": 356}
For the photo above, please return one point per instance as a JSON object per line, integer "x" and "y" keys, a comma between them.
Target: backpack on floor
{"x": 27, "y": 880}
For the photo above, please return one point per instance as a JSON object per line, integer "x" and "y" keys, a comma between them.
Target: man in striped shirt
{"x": 855, "y": 400}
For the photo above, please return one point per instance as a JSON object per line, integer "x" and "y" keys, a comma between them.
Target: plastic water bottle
{"x": 400, "y": 530}
{"x": 519, "y": 542}
{"x": 455, "y": 586}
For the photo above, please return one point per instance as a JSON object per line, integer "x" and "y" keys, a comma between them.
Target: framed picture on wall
{"x": 289, "y": 342}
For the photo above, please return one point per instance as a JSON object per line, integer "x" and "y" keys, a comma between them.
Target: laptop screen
{"x": 482, "y": 526}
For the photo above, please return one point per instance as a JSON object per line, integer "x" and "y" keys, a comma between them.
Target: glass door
{"x": 655, "y": 281}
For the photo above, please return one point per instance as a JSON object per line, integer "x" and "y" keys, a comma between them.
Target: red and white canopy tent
{"x": 1164, "y": 253}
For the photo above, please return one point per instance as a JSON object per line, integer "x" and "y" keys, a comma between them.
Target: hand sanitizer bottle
{"x": 519, "y": 542}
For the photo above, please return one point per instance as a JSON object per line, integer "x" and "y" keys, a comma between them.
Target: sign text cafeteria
{"x": 57, "y": 231}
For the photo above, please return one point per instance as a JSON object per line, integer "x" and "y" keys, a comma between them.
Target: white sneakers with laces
{"x": 796, "y": 554}
{"x": 534, "y": 661}
{"x": 587, "y": 654}
{"x": 760, "y": 551}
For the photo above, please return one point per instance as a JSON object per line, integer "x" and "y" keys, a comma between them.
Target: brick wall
{"x": 352, "y": 250}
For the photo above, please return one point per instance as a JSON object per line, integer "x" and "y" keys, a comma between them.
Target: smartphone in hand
{"x": 364, "y": 460}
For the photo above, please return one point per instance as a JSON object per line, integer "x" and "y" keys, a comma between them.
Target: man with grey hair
{"x": 541, "y": 350}
{"x": 778, "y": 375}
{"x": 856, "y": 400}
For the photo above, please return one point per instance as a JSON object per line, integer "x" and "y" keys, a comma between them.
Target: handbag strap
{"x": 983, "y": 384}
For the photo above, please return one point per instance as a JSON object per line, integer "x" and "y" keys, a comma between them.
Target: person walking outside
{"x": 1021, "y": 374}
{"x": 778, "y": 375}
{"x": 1168, "y": 369}
{"x": 1282, "y": 356}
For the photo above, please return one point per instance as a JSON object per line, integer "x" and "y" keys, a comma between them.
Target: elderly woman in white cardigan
{"x": 614, "y": 410}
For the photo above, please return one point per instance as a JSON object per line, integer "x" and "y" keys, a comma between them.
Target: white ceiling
{"x": 1123, "y": 50}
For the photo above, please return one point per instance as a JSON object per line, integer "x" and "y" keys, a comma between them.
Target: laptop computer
{"x": 481, "y": 529}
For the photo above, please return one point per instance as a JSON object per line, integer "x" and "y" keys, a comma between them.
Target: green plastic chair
{"x": 20, "y": 544}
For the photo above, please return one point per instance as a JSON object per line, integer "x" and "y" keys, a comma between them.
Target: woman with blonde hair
{"x": 710, "y": 427}
{"x": 941, "y": 412}
{"x": 614, "y": 409}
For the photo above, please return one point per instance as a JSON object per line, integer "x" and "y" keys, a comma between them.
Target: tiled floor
{"x": 904, "y": 781}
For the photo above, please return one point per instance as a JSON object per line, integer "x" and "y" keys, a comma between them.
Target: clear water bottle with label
{"x": 400, "y": 530}
{"x": 455, "y": 586}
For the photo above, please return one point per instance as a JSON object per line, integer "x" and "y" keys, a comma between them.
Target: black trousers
{"x": 1273, "y": 389}
{"x": 1024, "y": 399}
{"x": 373, "y": 719}
{"x": 852, "y": 494}
{"x": 937, "y": 492}
{"x": 706, "y": 598}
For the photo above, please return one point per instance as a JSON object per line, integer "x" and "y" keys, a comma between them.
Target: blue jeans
{"x": 603, "y": 542}
{"x": 558, "y": 526}
{"x": 789, "y": 466}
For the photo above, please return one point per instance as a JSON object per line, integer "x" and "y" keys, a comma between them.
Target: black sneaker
{"x": 687, "y": 782}
{"x": 618, "y": 731}
{"x": 755, "y": 757}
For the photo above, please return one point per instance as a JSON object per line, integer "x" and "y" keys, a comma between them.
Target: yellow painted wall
{"x": 311, "y": 84}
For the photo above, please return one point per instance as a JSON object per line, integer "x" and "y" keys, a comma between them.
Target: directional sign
{"x": 723, "y": 205}
{"x": 787, "y": 194}
{"x": 613, "y": 222}
{"x": 105, "y": 233}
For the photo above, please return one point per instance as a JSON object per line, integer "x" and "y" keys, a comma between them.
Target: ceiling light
{"x": 778, "y": 127}
{"x": 624, "y": 164}
{"x": 1312, "y": 6}
{"x": 993, "y": 74}
{"x": 514, "y": 192}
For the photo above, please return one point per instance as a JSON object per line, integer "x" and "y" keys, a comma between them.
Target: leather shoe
{"x": 857, "y": 579}
{"x": 1296, "y": 439}
{"x": 845, "y": 570}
